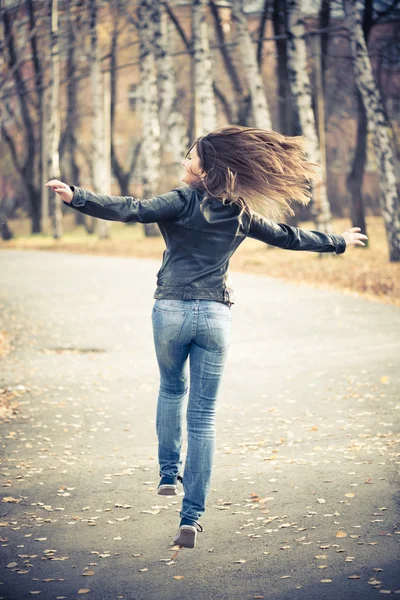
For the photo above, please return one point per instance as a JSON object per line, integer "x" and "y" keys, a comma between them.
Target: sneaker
{"x": 168, "y": 486}
{"x": 187, "y": 534}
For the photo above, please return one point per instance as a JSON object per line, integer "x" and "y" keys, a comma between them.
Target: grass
{"x": 359, "y": 271}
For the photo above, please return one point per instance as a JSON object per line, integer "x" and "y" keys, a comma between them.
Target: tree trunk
{"x": 205, "y": 109}
{"x": 172, "y": 133}
{"x": 379, "y": 127}
{"x": 284, "y": 99}
{"x": 301, "y": 95}
{"x": 150, "y": 157}
{"x": 261, "y": 116}
{"x": 53, "y": 159}
{"x": 100, "y": 183}
{"x": 72, "y": 116}
{"x": 5, "y": 232}
{"x": 356, "y": 175}
{"x": 324, "y": 20}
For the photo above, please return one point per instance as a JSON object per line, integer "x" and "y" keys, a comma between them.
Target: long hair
{"x": 260, "y": 170}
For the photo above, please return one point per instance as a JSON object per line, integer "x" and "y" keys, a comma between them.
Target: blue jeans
{"x": 189, "y": 335}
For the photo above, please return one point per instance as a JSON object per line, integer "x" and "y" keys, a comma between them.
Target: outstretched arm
{"x": 293, "y": 238}
{"x": 166, "y": 207}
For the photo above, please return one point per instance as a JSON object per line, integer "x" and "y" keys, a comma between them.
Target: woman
{"x": 239, "y": 178}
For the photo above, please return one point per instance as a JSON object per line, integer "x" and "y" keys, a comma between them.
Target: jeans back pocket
{"x": 167, "y": 324}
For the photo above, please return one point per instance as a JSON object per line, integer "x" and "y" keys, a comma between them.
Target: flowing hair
{"x": 260, "y": 170}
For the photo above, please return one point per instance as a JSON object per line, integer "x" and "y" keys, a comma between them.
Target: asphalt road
{"x": 305, "y": 491}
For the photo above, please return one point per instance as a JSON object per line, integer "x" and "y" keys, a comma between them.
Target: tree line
{"x": 43, "y": 43}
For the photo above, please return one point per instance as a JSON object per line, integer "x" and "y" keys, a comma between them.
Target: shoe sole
{"x": 186, "y": 536}
{"x": 167, "y": 490}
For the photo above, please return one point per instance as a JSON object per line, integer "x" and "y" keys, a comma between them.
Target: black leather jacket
{"x": 200, "y": 236}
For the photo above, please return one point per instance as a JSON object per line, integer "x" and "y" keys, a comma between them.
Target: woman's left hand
{"x": 62, "y": 189}
{"x": 353, "y": 237}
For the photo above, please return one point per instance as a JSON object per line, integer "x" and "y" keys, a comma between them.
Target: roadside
{"x": 364, "y": 272}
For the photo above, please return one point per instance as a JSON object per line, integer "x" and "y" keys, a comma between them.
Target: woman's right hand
{"x": 62, "y": 189}
{"x": 353, "y": 237}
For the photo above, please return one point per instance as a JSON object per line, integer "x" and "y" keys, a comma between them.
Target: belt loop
{"x": 187, "y": 293}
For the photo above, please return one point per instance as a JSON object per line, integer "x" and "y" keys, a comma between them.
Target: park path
{"x": 305, "y": 498}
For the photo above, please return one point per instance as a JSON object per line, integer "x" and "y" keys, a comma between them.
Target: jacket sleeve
{"x": 293, "y": 238}
{"x": 127, "y": 209}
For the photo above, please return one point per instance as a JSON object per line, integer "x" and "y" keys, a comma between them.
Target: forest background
{"x": 109, "y": 95}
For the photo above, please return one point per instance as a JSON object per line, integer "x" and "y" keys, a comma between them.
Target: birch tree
{"x": 68, "y": 142}
{"x": 205, "y": 109}
{"x": 150, "y": 156}
{"x": 53, "y": 138}
{"x": 248, "y": 55}
{"x": 379, "y": 126}
{"x": 301, "y": 94}
{"x": 173, "y": 136}
{"x": 101, "y": 179}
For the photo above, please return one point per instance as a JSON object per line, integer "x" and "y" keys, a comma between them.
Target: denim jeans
{"x": 189, "y": 336}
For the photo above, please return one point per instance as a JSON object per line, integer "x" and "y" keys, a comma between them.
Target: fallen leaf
{"x": 179, "y": 577}
{"x": 83, "y": 591}
{"x": 321, "y": 501}
{"x": 354, "y": 577}
{"x": 11, "y": 565}
{"x": 349, "y": 495}
{"x": 241, "y": 560}
{"x": 384, "y": 379}
{"x": 326, "y": 581}
{"x": 341, "y": 534}
{"x": 88, "y": 573}
{"x": 142, "y": 570}
{"x": 11, "y": 499}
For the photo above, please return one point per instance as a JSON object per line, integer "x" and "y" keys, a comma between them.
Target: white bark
{"x": 247, "y": 51}
{"x": 378, "y": 124}
{"x": 301, "y": 93}
{"x": 148, "y": 107}
{"x": 173, "y": 136}
{"x": 101, "y": 184}
{"x": 53, "y": 159}
{"x": 205, "y": 109}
